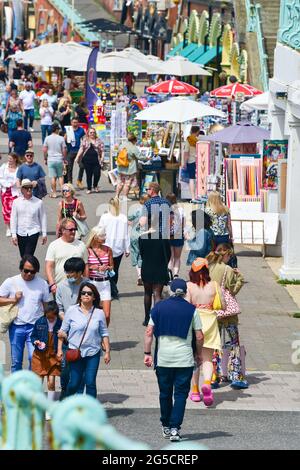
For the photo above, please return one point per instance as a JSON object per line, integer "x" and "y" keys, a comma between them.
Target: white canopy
{"x": 113, "y": 63}
{"x": 179, "y": 66}
{"x": 178, "y": 110}
{"x": 259, "y": 102}
{"x": 55, "y": 54}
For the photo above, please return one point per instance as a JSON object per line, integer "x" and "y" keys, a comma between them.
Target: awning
{"x": 208, "y": 56}
{"x": 175, "y": 50}
{"x": 196, "y": 53}
{"x": 188, "y": 49}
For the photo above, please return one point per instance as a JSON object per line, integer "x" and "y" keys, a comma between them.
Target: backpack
{"x": 122, "y": 158}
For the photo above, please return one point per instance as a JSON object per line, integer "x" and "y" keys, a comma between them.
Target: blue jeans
{"x": 65, "y": 375}
{"x": 29, "y": 114}
{"x": 86, "y": 368}
{"x": 46, "y": 130}
{"x": 173, "y": 380}
{"x": 18, "y": 336}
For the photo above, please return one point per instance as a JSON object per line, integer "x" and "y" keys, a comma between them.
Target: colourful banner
{"x": 91, "y": 79}
{"x": 202, "y": 167}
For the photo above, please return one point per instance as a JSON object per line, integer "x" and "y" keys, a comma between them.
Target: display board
{"x": 273, "y": 151}
{"x": 202, "y": 167}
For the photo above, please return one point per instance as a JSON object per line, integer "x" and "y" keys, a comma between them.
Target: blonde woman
{"x": 232, "y": 281}
{"x": 115, "y": 225}
{"x": 46, "y": 113}
{"x": 220, "y": 218}
{"x": 70, "y": 206}
{"x": 91, "y": 153}
{"x": 100, "y": 266}
{"x": 64, "y": 111}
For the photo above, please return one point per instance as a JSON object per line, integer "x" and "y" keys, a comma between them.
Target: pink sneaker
{"x": 195, "y": 396}
{"x": 208, "y": 397}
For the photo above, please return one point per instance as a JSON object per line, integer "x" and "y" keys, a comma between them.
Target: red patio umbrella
{"x": 229, "y": 91}
{"x": 173, "y": 87}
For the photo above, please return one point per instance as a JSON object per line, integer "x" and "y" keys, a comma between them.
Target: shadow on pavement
{"x": 201, "y": 436}
{"x": 132, "y": 294}
{"x": 112, "y": 413}
{"x": 121, "y": 345}
{"x": 230, "y": 395}
{"x": 115, "y": 398}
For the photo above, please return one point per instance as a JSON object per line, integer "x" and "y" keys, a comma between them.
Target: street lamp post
{"x": 72, "y": 23}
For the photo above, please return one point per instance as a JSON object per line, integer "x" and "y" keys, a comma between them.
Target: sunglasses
{"x": 29, "y": 271}
{"x": 87, "y": 292}
{"x": 70, "y": 229}
{"x": 28, "y": 188}
{"x": 66, "y": 190}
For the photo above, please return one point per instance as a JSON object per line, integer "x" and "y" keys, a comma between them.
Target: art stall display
{"x": 243, "y": 175}
{"x": 273, "y": 152}
{"x": 202, "y": 167}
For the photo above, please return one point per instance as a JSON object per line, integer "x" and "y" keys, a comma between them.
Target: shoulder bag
{"x": 82, "y": 226}
{"x": 8, "y": 313}
{"x": 108, "y": 272}
{"x": 73, "y": 355}
{"x": 232, "y": 306}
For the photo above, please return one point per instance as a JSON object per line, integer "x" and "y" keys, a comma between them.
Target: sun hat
{"x": 26, "y": 182}
{"x": 198, "y": 264}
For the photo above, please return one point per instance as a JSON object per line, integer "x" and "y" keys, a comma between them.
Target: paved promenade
{"x": 268, "y": 331}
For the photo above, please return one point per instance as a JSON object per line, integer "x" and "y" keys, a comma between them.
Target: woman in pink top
{"x": 201, "y": 292}
{"x": 100, "y": 266}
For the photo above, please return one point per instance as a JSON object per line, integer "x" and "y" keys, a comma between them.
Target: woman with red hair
{"x": 201, "y": 292}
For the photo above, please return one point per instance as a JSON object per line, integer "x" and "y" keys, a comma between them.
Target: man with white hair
{"x": 27, "y": 97}
{"x": 172, "y": 322}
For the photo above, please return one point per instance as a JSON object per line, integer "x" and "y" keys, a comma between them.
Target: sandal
{"x": 88, "y": 191}
{"x": 97, "y": 190}
{"x": 53, "y": 195}
{"x": 195, "y": 396}
{"x": 208, "y": 397}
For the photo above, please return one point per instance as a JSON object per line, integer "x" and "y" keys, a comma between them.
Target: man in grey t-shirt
{"x": 55, "y": 151}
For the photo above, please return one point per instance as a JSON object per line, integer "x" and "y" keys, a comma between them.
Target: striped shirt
{"x": 94, "y": 261}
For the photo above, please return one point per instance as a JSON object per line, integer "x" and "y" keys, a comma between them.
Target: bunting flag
{"x": 91, "y": 79}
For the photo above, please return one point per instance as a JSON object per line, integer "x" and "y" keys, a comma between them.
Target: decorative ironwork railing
{"x": 289, "y": 23}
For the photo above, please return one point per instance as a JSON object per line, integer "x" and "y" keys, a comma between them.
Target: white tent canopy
{"x": 112, "y": 63}
{"x": 259, "y": 102}
{"x": 178, "y": 110}
{"x": 179, "y": 66}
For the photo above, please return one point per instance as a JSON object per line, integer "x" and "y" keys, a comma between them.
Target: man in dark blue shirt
{"x": 73, "y": 146}
{"x": 156, "y": 211}
{"x": 20, "y": 140}
{"x": 30, "y": 170}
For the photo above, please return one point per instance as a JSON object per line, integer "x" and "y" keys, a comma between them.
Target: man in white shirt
{"x": 27, "y": 97}
{"x": 29, "y": 292}
{"x": 67, "y": 82}
{"x": 55, "y": 151}
{"x": 28, "y": 220}
{"x": 62, "y": 249}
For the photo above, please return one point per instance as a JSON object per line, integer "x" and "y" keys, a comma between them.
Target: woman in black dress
{"x": 155, "y": 253}
{"x": 81, "y": 111}
{"x": 91, "y": 154}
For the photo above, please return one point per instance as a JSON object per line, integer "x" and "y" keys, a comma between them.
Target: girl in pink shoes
{"x": 201, "y": 292}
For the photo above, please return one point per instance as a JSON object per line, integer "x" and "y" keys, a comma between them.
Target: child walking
{"x": 45, "y": 361}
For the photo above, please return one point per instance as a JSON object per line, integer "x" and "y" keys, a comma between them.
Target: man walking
{"x": 27, "y": 97}
{"x": 28, "y": 220}
{"x": 32, "y": 171}
{"x": 157, "y": 209}
{"x": 20, "y": 140}
{"x": 172, "y": 322}
{"x": 30, "y": 293}
{"x": 73, "y": 138}
{"x": 62, "y": 249}
{"x": 55, "y": 151}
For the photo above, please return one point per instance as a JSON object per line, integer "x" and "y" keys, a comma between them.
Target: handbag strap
{"x": 97, "y": 257}
{"x": 224, "y": 277}
{"x": 84, "y": 333}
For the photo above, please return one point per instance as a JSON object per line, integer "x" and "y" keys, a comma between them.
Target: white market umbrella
{"x": 179, "y": 66}
{"x": 259, "y": 102}
{"x": 55, "y": 54}
{"x": 110, "y": 63}
{"x": 178, "y": 110}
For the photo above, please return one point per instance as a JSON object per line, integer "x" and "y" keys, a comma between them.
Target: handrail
{"x": 254, "y": 25}
{"x": 66, "y": 10}
{"x": 78, "y": 422}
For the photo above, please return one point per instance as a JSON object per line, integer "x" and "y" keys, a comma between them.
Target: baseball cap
{"x": 26, "y": 182}
{"x": 178, "y": 286}
{"x": 198, "y": 264}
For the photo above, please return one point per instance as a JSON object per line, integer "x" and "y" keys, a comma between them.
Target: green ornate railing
{"x": 66, "y": 10}
{"x": 289, "y": 23}
{"x": 78, "y": 422}
{"x": 254, "y": 25}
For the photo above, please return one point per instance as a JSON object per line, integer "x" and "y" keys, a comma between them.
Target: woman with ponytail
{"x": 201, "y": 292}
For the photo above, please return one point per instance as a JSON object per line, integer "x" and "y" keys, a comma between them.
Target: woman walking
{"x": 134, "y": 221}
{"x": 64, "y": 113}
{"x": 115, "y": 225}
{"x": 99, "y": 267}
{"x": 201, "y": 292}
{"x": 91, "y": 153}
{"x": 177, "y": 234}
{"x": 82, "y": 112}
{"x": 199, "y": 236}
{"x": 85, "y": 328}
{"x": 9, "y": 188}
{"x": 13, "y": 112}
{"x": 46, "y": 113}
{"x": 70, "y": 207}
{"x": 232, "y": 280}
{"x": 155, "y": 253}
{"x": 45, "y": 362}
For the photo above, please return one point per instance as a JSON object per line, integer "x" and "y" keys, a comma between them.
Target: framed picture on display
{"x": 145, "y": 152}
{"x": 273, "y": 151}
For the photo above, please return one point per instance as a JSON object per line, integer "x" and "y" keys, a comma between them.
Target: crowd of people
{"x": 64, "y": 319}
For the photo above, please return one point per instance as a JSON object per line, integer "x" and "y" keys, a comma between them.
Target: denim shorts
{"x": 55, "y": 169}
{"x": 191, "y": 169}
